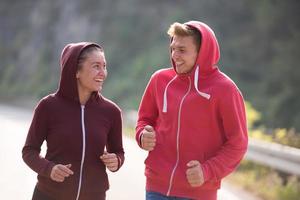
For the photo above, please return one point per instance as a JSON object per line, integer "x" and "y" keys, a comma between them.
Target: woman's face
{"x": 92, "y": 73}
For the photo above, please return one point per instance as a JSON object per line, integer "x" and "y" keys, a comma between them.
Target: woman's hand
{"x": 110, "y": 160}
{"x": 60, "y": 172}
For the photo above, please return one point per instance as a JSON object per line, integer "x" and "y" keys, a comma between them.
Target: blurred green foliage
{"x": 259, "y": 47}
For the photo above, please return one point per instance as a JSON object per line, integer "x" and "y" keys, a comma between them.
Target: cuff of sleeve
{"x": 140, "y": 139}
{"x": 119, "y": 163}
{"x": 206, "y": 172}
{"x": 49, "y": 169}
{"x": 138, "y": 136}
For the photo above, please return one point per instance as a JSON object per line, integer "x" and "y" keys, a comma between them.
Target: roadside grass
{"x": 265, "y": 182}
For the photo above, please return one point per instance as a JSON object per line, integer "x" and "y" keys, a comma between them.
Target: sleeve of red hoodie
{"x": 114, "y": 142}
{"x": 35, "y": 138}
{"x": 148, "y": 110}
{"x": 233, "y": 119}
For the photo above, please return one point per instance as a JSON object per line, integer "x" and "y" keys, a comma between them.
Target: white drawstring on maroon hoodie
{"x": 196, "y": 77}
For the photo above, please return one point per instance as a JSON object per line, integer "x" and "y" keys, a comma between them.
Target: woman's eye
{"x": 98, "y": 67}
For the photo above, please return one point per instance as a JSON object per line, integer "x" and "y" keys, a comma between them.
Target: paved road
{"x": 17, "y": 180}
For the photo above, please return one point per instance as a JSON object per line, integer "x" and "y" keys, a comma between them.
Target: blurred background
{"x": 259, "y": 43}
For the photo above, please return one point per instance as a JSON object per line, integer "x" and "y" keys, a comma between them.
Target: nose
{"x": 102, "y": 72}
{"x": 174, "y": 54}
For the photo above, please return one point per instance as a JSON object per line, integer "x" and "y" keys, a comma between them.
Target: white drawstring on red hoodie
{"x": 205, "y": 95}
{"x": 165, "y": 105}
{"x": 196, "y": 77}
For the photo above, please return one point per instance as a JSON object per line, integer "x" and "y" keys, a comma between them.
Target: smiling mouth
{"x": 178, "y": 64}
{"x": 99, "y": 80}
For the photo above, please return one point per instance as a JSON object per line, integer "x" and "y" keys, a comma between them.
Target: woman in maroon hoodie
{"x": 77, "y": 123}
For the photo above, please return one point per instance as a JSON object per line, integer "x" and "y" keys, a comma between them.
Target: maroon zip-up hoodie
{"x": 75, "y": 134}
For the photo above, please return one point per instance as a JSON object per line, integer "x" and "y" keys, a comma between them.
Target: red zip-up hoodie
{"x": 75, "y": 134}
{"x": 196, "y": 116}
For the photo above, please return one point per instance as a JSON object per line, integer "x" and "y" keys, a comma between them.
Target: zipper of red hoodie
{"x": 83, "y": 151}
{"x": 177, "y": 139}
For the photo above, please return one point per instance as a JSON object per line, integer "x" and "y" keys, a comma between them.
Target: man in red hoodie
{"x": 191, "y": 119}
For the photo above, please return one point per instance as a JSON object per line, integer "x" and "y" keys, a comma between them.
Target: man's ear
{"x": 77, "y": 74}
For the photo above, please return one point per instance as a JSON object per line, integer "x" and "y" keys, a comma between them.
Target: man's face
{"x": 184, "y": 53}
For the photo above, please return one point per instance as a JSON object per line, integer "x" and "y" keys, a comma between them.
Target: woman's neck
{"x": 83, "y": 96}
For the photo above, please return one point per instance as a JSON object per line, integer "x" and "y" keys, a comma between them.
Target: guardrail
{"x": 280, "y": 157}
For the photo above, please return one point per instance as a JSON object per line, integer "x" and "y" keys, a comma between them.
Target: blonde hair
{"x": 183, "y": 30}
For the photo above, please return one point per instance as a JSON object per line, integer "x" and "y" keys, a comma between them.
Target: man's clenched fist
{"x": 194, "y": 173}
{"x": 148, "y": 138}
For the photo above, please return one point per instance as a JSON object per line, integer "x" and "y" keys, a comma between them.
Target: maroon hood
{"x": 68, "y": 61}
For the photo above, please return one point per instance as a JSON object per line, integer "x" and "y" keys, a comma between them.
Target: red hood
{"x": 209, "y": 52}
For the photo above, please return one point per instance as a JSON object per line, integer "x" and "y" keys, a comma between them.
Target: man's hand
{"x": 60, "y": 172}
{"x": 110, "y": 160}
{"x": 194, "y": 173}
{"x": 148, "y": 138}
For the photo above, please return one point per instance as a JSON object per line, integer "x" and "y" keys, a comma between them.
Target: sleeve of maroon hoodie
{"x": 114, "y": 142}
{"x": 233, "y": 119}
{"x": 35, "y": 138}
{"x": 148, "y": 110}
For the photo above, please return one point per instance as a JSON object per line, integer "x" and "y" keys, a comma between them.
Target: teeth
{"x": 99, "y": 79}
